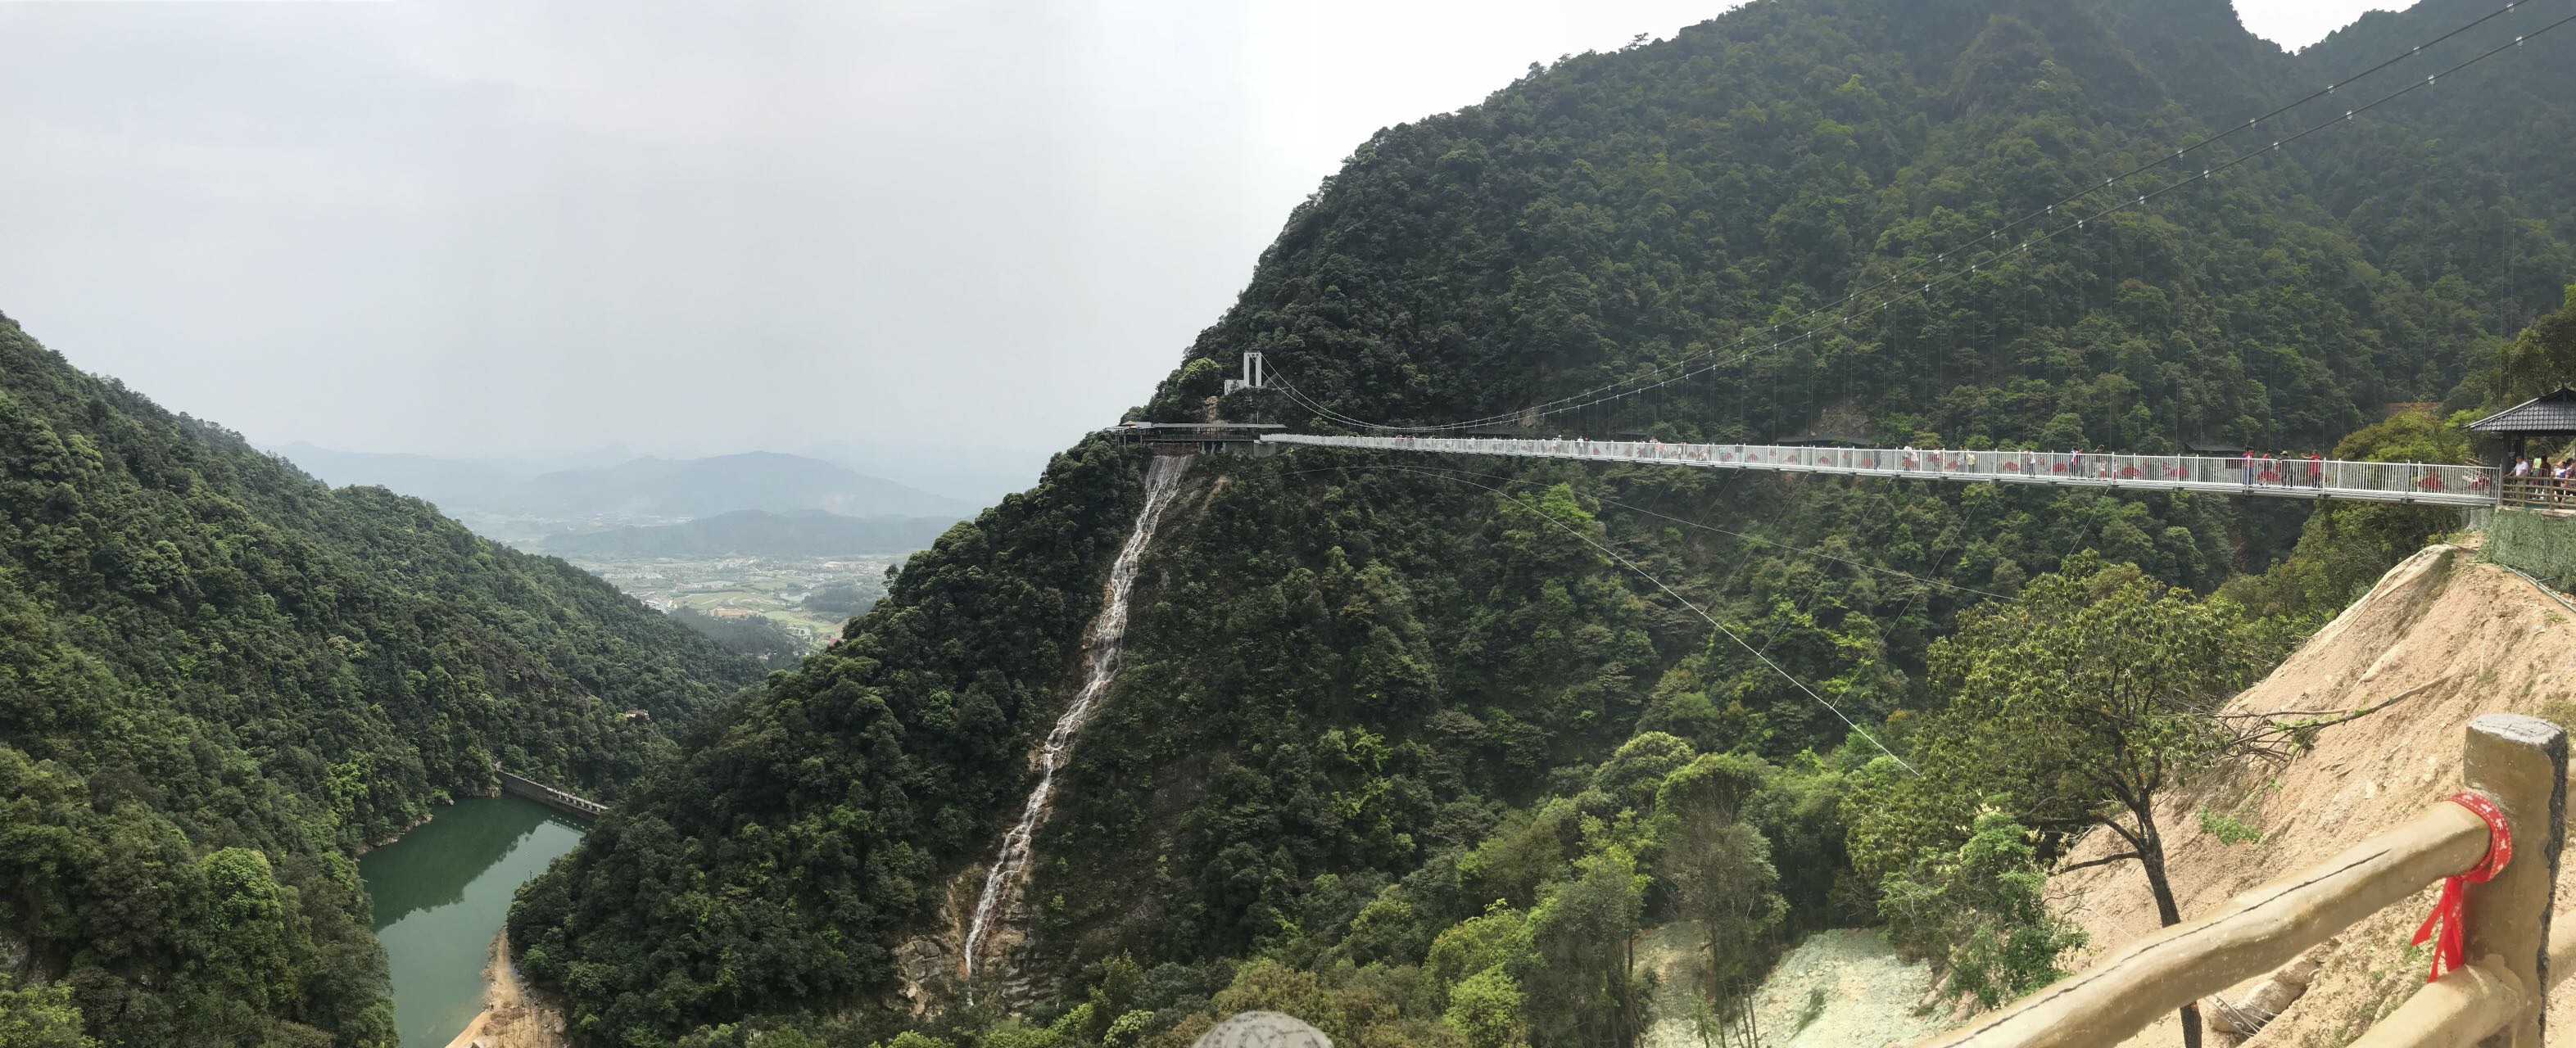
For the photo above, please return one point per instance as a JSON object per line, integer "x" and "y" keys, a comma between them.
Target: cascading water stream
{"x": 1102, "y": 642}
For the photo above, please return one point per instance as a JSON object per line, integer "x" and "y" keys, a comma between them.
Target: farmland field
{"x": 774, "y": 588}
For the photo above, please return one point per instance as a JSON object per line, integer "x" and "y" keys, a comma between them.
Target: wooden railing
{"x": 2538, "y": 493}
{"x": 2517, "y": 762}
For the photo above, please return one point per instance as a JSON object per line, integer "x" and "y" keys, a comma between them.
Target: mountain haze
{"x": 1393, "y": 746}
{"x": 455, "y": 483}
{"x": 761, "y": 480}
{"x": 757, "y": 533}
{"x": 645, "y": 487}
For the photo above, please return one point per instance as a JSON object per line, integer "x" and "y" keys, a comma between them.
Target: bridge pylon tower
{"x": 1254, "y": 377}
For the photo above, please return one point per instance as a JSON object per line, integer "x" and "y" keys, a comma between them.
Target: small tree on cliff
{"x": 2069, "y": 708}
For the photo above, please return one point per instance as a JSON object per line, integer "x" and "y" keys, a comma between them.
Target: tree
{"x": 1583, "y": 947}
{"x": 1717, "y": 868}
{"x": 41, "y": 1016}
{"x": 2077, "y": 702}
{"x": 2541, "y": 358}
{"x": 1980, "y": 907}
{"x": 1485, "y": 1008}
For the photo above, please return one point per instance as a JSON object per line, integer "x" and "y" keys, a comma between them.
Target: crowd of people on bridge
{"x": 2283, "y": 470}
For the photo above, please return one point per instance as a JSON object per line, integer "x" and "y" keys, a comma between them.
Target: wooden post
{"x": 2520, "y": 763}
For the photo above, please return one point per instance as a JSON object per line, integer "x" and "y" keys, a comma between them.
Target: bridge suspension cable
{"x": 1703, "y": 526}
{"x": 1656, "y": 379}
{"x": 1686, "y": 602}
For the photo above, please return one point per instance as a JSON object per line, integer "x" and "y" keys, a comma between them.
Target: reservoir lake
{"x": 441, "y": 893}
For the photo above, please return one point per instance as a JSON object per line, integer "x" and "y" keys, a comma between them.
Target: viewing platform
{"x": 1210, "y": 438}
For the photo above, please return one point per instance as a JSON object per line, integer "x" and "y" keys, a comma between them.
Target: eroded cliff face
{"x": 2478, "y": 639}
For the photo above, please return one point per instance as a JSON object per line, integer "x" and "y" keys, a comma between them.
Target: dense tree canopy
{"x": 220, "y": 679}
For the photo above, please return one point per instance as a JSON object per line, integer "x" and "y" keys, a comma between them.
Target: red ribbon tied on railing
{"x": 2447, "y": 951}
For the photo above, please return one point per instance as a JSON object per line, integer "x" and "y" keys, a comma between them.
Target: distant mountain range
{"x": 758, "y": 533}
{"x": 978, "y": 474}
{"x": 705, "y": 487}
{"x": 633, "y": 487}
{"x": 451, "y": 483}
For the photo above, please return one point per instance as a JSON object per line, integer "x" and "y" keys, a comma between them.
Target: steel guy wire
{"x": 1695, "y": 609}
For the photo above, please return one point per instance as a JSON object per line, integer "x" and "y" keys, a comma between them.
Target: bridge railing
{"x": 2315, "y": 478}
{"x": 2539, "y": 493}
{"x": 2517, "y": 764}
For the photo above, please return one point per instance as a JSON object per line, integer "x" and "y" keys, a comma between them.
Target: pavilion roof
{"x": 2551, "y": 412}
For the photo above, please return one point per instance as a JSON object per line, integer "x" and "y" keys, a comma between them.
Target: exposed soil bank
{"x": 2486, "y": 641}
{"x": 512, "y": 1017}
{"x": 1841, "y": 988}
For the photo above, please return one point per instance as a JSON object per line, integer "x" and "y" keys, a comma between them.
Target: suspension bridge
{"x": 2295, "y": 478}
{"x": 2516, "y": 766}
{"x": 1919, "y": 278}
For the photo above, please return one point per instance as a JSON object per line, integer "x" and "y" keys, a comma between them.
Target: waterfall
{"x": 1101, "y": 643}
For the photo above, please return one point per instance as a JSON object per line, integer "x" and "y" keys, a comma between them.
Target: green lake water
{"x": 441, "y": 893}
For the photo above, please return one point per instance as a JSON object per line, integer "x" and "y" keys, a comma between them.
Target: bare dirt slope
{"x": 1845, "y": 988}
{"x": 2489, "y": 641}
{"x": 1840, "y": 988}
{"x": 512, "y": 1017}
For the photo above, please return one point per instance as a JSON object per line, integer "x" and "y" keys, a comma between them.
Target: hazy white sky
{"x": 533, "y": 226}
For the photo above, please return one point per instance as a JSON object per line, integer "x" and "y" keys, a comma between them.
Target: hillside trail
{"x": 2486, "y": 641}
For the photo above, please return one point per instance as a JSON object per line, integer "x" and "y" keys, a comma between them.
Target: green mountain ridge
{"x": 219, "y": 679}
{"x": 1389, "y": 748}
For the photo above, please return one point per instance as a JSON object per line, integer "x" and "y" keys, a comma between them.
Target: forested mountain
{"x": 757, "y": 533}
{"x": 1400, "y": 750}
{"x": 219, "y": 679}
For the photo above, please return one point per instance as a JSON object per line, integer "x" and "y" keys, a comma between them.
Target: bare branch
{"x": 2103, "y": 861}
{"x": 2344, "y": 715}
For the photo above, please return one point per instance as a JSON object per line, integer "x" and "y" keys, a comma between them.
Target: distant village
{"x": 774, "y": 588}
